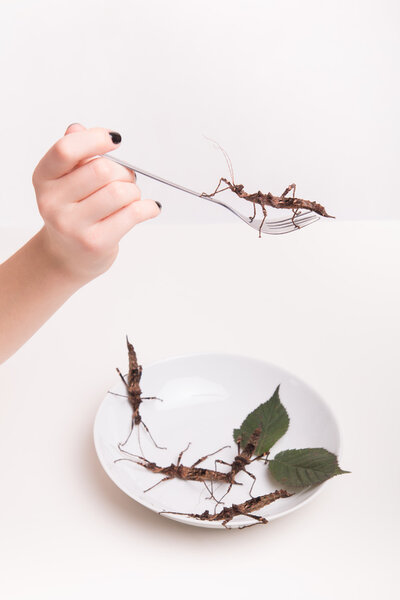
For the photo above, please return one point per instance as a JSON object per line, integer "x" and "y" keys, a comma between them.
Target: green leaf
{"x": 308, "y": 466}
{"x": 273, "y": 419}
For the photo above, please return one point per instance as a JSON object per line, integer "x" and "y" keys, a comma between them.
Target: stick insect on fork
{"x": 259, "y": 198}
{"x": 276, "y": 227}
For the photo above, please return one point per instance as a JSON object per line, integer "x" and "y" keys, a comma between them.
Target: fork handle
{"x": 157, "y": 178}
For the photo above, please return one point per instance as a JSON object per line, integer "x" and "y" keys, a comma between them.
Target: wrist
{"x": 54, "y": 264}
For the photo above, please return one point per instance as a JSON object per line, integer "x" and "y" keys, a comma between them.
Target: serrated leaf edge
{"x": 337, "y": 471}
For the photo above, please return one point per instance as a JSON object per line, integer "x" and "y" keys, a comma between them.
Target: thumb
{"x": 74, "y": 127}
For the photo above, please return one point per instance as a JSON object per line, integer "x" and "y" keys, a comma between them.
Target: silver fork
{"x": 279, "y": 227}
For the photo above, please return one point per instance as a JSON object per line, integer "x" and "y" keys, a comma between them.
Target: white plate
{"x": 204, "y": 398}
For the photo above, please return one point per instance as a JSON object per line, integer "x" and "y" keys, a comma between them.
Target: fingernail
{"x": 70, "y": 125}
{"x": 116, "y": 137}
{"x": 158, "y": 204}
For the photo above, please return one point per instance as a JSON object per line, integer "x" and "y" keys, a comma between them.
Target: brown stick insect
{"x": 134, "y": 392}
{"x": 242, "y": 460}
{"x": 245, "y": 508}
{"x": 179, "y": 471}
{"x": 282, "y": 201}
{"x": 195, "y": 473}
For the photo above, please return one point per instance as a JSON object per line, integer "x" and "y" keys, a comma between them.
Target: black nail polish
{"x": 116, "y": 137}
{"x": 158, "y": 204}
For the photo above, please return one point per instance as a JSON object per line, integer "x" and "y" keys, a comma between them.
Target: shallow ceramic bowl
{"x": 204, "y": 397}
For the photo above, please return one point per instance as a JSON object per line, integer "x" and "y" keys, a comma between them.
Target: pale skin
{"x": 88, "y": 203}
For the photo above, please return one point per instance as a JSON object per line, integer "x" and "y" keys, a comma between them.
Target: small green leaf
{"x": 308, "y": 466}
{"x": 273, "y": 419}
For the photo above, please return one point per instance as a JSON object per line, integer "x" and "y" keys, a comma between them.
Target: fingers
{"x": 74, "y": 147}
{"x": 87, "y": 179}
{"x": 106, "y": 202}
{"x": 117, "y": 225}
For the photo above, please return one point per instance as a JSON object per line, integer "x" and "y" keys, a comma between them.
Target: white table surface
{"x": 323, "y": 303}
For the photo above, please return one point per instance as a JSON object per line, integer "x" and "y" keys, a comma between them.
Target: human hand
{"x": 87, "y": 204}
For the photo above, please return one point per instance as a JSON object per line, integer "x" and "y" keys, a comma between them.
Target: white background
{"x": 301, "y": 91}
{"x": 296, "y": 91}
{"x": 322, "y": 303}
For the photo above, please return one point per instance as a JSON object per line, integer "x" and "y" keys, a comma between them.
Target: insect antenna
{"x": 131, "y": 453}
{"x": 136, "y": 462}
{"x": 228, "y": 160}
{"x": 172, "y": 512}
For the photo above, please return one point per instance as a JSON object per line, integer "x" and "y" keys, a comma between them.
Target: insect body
{"x": 135, "y": 393}
{"x": 245, "y": 508}
{"x": 179, "y": 471}
{"x": 263, "y": 200}
{"x": 195, "y": 473}
{"x": 243, "y": 459}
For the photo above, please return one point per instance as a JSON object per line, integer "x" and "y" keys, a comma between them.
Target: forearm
{"x": 88, "y": 203}
{"x": 32, "y": 288}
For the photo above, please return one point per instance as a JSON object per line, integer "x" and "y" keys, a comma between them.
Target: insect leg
{"x": 156, "y": 484}
{"x": 226, "y": 493}
{"x": 254, "y": 480}
{"x": 122, "y": 377}
{"x": 216, "y": 189}
{"x": 264, "y": 217}
{"x": 292, "y": 186}
{"x": 260, "y": 457}
{"x": 152, "y": 398}
{"x": 207, "y": 455}
{"x": 129, "y": 435}
{"x": 211, "y": 496}
{"x": 227, "y": 521}
{"x": 251, "y": 219}
{"x": 222, "y": 462}
{"x": 152, "y": 439}
{"x": 180, "y": 455}
{"x": 260, "y": 521}
{"x": 295, "y": 212}
{"x": 216, "y": 469}
{"x": 115, "y": 394}
{"x": 256, "y": 458}
{"x": 211, "y": 492}
{"x": 138, "y": 439}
